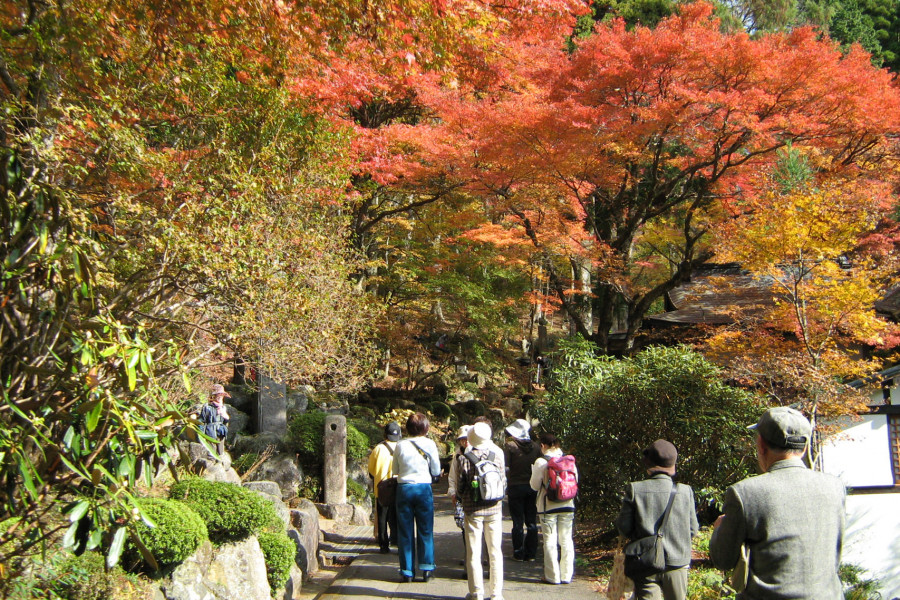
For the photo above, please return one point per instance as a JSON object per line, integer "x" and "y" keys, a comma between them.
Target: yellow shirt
{"x": 381, "y": 462}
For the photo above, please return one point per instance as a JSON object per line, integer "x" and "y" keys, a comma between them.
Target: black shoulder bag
{"x": 646, "y": 556}
{"x": 387, "y": 488}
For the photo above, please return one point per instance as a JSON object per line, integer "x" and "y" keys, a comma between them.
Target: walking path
{"x": 374, "y": 575}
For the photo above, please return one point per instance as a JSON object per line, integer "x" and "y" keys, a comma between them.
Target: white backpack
{"x": 484, "y": 478}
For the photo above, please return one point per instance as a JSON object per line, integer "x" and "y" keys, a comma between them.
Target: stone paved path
{"x": 374, "y": 575}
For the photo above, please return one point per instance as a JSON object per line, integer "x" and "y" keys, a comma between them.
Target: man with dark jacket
{"x": 520, "y": 453}
{"x": 642, "y": 510}
{"x": 790, "y": 519}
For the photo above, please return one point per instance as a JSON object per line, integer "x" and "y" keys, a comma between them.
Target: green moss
{"x": 441, "y": 411}
{"x": 229, "y": 511}
{"x": 306, "y": 437}
{"x": 177, "y": 532}
{"x": 85, "y": 577}
{"x": 355, "y": 491}
{"x": 279, "y": 551}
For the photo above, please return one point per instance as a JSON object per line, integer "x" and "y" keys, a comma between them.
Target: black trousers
{"x": 387, "y": 519}
{"x": 523, "y": 511}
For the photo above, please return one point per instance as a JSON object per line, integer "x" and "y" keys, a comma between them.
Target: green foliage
{"x": 851, "y": 25}
{"x": 306, "y": 436}
{"x": 607, "y": 410}
{"x": 441, "y": 411}
{"x": 244, "y": 462}
{"x": 367, "y": 427}
{"x": 176, "y": 531}
{"x": 792, "y": 170}
{"x": 356, "y": 491}
{"x": 60, "y": 575}
{"x": 279, "y": 552}
{"x": 856, "y": 586}
{"x": 311, "y": 487}
{"x": 230, "y": 511}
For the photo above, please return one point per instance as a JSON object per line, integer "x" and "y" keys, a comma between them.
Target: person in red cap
{"x": 213, "y": 417}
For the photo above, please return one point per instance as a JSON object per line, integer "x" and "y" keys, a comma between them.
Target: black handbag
{"x": 646, "y": 556}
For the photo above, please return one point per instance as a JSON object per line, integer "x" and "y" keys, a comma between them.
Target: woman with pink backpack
{"x": 555, "y": 479}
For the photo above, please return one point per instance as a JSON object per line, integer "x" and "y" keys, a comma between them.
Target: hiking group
{"x": 780, "y": 534}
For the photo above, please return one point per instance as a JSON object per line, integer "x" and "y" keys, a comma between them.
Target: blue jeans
{"x": 523, "y": 511}
{"x": 414, "y": 501}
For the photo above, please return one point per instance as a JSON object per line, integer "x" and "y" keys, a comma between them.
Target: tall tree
{"x": 628, "y": 151}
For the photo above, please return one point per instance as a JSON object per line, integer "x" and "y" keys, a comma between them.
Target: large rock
{"x": 241, "y": 397}
{"x": 341, "y": 514}
{"x": 257, "y": 444}
{"x": 293, "y": 586}
{"x": 235, "y": 571}
{"x": 237, "y": 423}
{"x": 269, "y": 488}
{"x": 283, "y": 470}
{"x": 298, "y": 400}
{"x": 305, "y": 533}
{"x": 218, "y": 472}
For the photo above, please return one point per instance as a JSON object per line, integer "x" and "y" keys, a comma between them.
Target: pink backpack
{"x": 562, "y": 483}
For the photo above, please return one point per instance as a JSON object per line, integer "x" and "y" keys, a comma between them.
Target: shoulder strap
{"x": 471, "y": 457}
{"x": 423, "y": 453}
{"x": 386, "y": 445}
{"x": 668, "y": 508}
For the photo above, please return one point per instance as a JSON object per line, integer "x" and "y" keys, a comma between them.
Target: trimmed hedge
{"x": 178, "y": 530}
{"x": 229, "y": 511}
{"x": 279, "y": 551}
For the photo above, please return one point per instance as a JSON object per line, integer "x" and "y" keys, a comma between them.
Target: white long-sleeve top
{"x": 409, "y": 464}
{"x": 538, "y": 476}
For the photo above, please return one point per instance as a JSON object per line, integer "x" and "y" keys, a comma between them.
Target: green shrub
{"x": 311, "y": 488}
{"x": 279, "y": 551}
{"x": 441, "y": 411}
{"x": 306, "y": 437}
{"x": 371, "y": 430}
{"x": 177, "y": 533}
{"x": 606, "y": 410}
{"x": 244, "y": 462}
{"x": 356, "y": 492}
{"x": 856, "y": 586}
{"x": 229, "y": 511}
{"x": 85, "y": 577}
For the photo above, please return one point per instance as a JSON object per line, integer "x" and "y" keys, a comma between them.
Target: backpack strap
{"x": 389, "y": 449}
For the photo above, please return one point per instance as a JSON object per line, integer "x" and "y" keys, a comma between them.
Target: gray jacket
{"x": 642, "y": 509}
{"x": 792, "y": 520}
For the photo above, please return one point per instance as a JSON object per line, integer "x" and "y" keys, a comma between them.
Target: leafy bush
{"x": 279, "y": 551}
{"x": 369, "y": 429}
{"x": 229, "y": 511}
{"x": 356, "y": 492}
{"x": 311, "y": 487}
{"x": 60, "y": 575}
{"x": 607, "y": 410}
{"x": 441, "y": 411}
{"x": 178, "y": 530}
{"x": 306, "y": 437}
{"x": 856, "y": 586}
{"x": 244, "y": 462}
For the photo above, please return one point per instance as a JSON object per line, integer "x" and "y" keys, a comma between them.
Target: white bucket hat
{"x": 480, "y": 435}
{"x": 519, "y": 429}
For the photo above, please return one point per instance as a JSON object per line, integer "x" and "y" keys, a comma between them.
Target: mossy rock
{"x": 441, "y": 410}
{"x": 86, "y": 577}
{"x": 229, "y": 511}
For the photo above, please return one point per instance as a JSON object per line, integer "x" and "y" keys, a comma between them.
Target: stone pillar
{"x": 335, "y": 459}
{"x": 271, "y": 407}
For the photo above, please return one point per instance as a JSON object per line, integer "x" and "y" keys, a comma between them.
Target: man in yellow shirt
{"x": 381, "y": 462}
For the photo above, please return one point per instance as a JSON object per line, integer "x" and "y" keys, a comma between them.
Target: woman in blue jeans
{"x": 416, "y": 462}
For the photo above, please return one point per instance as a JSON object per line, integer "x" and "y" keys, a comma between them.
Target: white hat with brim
{"x": 480, "y": 435}
{"x": 519, "y": 429}
{"x": 463, "y": 432}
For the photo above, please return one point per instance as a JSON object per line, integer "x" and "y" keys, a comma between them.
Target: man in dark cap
{"x": 791, "y": 519}
{"x": 381, "y": 464}
{"x": 642, "y": 511}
